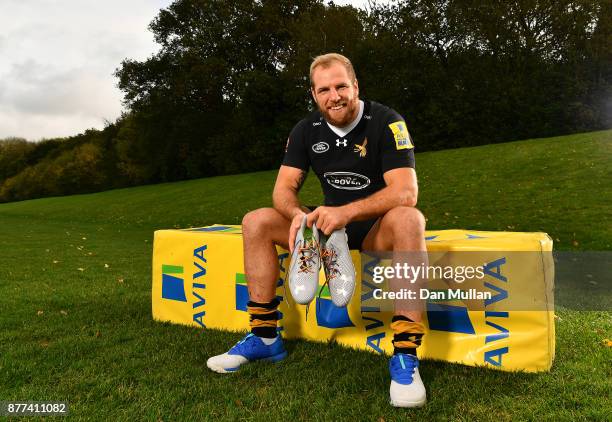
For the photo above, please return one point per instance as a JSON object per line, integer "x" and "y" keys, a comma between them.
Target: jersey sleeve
{"x": 296, "y": 154}
{"x": 397, "y": 148}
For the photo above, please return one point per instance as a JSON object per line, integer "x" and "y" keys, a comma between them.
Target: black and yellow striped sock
{"x": 264, "y": 317}
{"x": 407, "y": 335}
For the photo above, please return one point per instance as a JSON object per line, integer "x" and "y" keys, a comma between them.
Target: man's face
{"x": 335, "y": 94}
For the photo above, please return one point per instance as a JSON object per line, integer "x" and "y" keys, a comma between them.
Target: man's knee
{"x": 405, "y": 220}
{"x": 259, "y": 220}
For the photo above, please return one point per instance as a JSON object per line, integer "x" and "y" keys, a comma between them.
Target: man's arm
{"x": 401, "y": 190}
{"x": 285, "y": 198}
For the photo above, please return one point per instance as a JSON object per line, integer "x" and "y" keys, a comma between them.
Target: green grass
{"x": 75, "y": 317}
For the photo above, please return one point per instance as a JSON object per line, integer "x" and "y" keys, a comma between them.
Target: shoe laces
{"x": 307, "y": 254}
{"x": 329, "y": 256}
{"x": 246, "y": 345}
{"x": 329, "y": 259}
{"x": 403, "y": 366}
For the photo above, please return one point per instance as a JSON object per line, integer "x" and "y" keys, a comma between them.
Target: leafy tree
{"x": 230, "y": 80}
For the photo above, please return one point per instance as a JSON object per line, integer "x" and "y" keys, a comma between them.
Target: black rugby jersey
{"x": 351, "y": 167}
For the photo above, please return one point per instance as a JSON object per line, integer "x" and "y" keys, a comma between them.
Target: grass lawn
{"x": 75, "y": 306}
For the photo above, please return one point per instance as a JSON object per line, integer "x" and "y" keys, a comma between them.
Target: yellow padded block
{"x": 198, "y": 280}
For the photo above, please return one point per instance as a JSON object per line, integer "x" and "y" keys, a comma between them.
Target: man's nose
{"x": 333, "y": 95}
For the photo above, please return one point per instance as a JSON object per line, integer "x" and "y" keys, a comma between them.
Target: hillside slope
{"x": 76, "y": 326}
{"x": 560, "y": 185}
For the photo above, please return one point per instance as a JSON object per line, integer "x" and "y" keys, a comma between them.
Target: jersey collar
{"x": 343, "y": 131}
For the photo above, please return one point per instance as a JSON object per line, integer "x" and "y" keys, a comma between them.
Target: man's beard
{"x": 348, "y": 116}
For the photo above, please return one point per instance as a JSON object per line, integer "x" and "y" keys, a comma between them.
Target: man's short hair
{"x": 326, "y": 61}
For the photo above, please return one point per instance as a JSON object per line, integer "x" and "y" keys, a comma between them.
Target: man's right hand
{"x": 296, "y": 223}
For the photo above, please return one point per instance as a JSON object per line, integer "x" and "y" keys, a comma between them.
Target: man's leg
{"x": 262, "y": 229}
{"x": 402, "y": 230}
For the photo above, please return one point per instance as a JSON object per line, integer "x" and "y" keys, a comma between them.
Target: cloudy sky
{"x": 57, "y": 59}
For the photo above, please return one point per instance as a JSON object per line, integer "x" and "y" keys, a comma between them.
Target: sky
{"x": 57, "y": 59}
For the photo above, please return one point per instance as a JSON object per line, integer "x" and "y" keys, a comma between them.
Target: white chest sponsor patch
{"x": 320, "y": 147}
{"x": 346, "y": 180}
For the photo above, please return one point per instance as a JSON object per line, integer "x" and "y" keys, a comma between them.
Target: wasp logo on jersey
{"x": 401, "y": 135}
{"x": 361, "y": 149}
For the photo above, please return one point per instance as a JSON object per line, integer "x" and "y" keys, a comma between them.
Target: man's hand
{"x": 296, "y": 223}
{"x": 329, "y": 219}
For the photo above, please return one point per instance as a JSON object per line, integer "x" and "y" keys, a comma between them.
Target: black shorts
{"x": 356, "y": 231}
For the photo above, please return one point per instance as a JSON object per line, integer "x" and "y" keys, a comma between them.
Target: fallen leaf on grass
{"x": 55, "y": 261}
{"x": 98, "y": 334}
{"x": 44, "y": 343}
{"x": 84, "y": 238}
{"x": 81, "y": 269}
{"x": 120, "y": 280}
{"x": 63, "y": 312}
{"x": 105, "y": 265}
{"x": 39, "y": 313}
{"x": 607, "y": 343}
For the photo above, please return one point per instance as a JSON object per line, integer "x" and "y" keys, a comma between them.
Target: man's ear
{"x": 356, "y": 84}
{"x": 313, "y": 95}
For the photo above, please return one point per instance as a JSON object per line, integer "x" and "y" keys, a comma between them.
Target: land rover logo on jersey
{"x": 320, "y": 147}
{"x": 346, "y": 180}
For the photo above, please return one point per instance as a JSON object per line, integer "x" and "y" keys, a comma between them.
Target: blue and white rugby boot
{"x": 248, "y": 349}
{"x": 339, "y": 268}
{"x": 407, "y": 389}
{"x": 305, "y": 264}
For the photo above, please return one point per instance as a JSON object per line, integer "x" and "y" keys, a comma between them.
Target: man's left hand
{"x": 328, "y": 219}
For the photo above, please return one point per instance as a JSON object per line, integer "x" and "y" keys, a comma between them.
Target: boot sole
{"x": 221, "y": 370}
{"x": 404, "y": 403}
